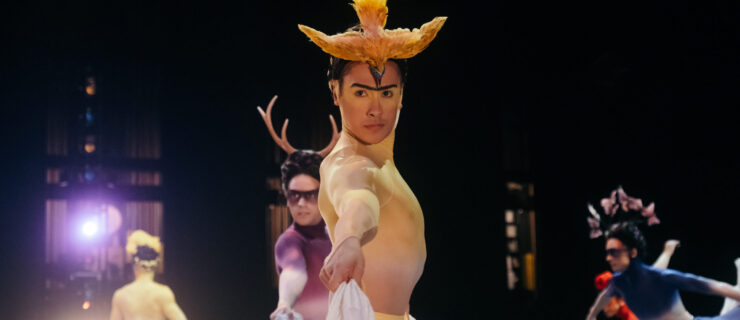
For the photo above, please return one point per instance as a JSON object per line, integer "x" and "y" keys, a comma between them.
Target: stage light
{"x": 90, "y": 228}
{"x": 89, "y": 175}
{"x": 86, "y": 305}
{"x": 90, "y": 87}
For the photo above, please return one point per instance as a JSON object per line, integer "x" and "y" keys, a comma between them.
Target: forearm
{"x": 725, "y": 290}
{"x": 291, "y": 285}
{"x": 665, "y": 257}
{"x": 601, "y": 301}
{"x": 358, "y": 216}
{"x": 663, "y": 260}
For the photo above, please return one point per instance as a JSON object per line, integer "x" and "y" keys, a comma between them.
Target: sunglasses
{"x": 293, "y": 196}
{"x": 615, "y": 252}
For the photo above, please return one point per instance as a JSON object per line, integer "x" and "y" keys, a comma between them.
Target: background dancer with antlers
{"x": 300, "y": 251}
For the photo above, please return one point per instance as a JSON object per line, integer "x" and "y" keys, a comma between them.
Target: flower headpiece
{"x": 144, "y": 249}
{"x": 632, "y": 210}
{"x": 374, "y": 44}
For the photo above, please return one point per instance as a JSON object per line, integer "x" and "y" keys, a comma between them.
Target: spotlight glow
{"x": 86, "y": 305}
{"x": 89, "y": 229}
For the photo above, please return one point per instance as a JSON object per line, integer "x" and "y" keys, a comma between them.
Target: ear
{"x": 400, "y": 99}
{"x": 633, "y": 253}
{"x": 334, "y": 88}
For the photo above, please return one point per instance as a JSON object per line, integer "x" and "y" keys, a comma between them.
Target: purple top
{"x": 305, "y": 248}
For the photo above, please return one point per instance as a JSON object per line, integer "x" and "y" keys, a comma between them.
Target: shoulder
{"x": 346, "y": 157}
{"x": 346, "y": 167}
{"x": 122, "y": 290}
{"x": 120, "y": 294}
{"x": 289, "y": 239}
{"x": 164, "y": 293}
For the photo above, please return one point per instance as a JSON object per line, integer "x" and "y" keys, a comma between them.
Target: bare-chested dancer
{"x": 143, "y": 298}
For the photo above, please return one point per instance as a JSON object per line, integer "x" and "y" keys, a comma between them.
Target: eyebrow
{"x": 374, "y": 89}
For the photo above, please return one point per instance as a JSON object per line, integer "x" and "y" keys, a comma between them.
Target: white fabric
{"x": 292, "y": 315}
{"x": 349, "y": 303}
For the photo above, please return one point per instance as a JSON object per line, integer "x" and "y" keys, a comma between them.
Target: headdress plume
{"x": 632, "y": 210}
{"x": 374, "y": 44}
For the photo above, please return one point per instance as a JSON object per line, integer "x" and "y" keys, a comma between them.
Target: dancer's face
{"x": 369, "y": 112}
{"x": 302, "y": 195}
{"x": 617, "y": 255}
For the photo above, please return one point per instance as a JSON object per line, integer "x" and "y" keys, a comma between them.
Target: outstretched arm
{"x": 350, "y": 187}
{"x": 665, "y": 257}
{"x": 170, "y": 308}
{"x": 601, "y": 301}
{"x": 725, "y": 290}
{"x": 690, "y": 282}
{"x": 291, "y": 285}
{"x": 289, "y": 258}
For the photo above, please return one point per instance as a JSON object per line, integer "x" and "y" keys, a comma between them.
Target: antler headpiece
{"x": 282, "y": 140}
{"x": 374, "y": 44}
{"x": 632, "y": 210}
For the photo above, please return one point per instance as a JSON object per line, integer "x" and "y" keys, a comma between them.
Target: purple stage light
{"x": 90, "y": 228}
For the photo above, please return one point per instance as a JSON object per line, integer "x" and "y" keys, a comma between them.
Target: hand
{"x": 282, "y": 311}
{"x": 670, "y": 246}
{"x": 345, "y": 263}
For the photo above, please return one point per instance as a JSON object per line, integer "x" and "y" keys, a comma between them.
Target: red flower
{"x": 603, "y": 280}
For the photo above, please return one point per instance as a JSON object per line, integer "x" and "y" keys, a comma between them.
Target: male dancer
{"x": 300, "y": 251}
{"x": 375, "y": 221}
{"x": 616, "y": 308}
{"x": 652, "y": 293}
{"x": 143, "y": 298}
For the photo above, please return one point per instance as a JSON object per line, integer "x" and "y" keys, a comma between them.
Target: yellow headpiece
{"x": 142, "y": 238}
{"x": 374, "y": 44}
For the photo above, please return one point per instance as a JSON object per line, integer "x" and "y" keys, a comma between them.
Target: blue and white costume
{"x": 652, "y": 294}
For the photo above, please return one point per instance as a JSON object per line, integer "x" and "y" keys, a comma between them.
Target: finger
{"x": 324, "y": 277}
{"x": 335, "y": 280}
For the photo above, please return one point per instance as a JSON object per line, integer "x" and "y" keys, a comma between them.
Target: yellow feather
{"x": 372, "y": 13}
{"x": 374, "y": 44}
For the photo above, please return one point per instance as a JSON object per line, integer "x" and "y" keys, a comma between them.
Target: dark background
{"x": 599, "y": 94}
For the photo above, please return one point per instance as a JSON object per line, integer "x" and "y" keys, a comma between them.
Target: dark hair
{"x": 300, "y": 162}
{"x": 146, "y": 253}
{"x": 338, "y": 67}
{"x": 629, "y": 234}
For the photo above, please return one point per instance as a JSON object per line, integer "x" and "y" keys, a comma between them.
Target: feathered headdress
{"x": 374, "y": 44}
{"x": 632, "y": 210}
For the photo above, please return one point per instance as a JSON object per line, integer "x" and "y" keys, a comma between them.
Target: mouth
{"x": 375, "y": 126}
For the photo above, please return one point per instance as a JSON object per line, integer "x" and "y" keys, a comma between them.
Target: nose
{"x": 375, "y": 109}
{"x": 302, "y": 201}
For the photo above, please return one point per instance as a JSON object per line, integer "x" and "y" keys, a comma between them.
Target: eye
{"x": 360, "y": 93}
{"x": 388, "y": 93}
